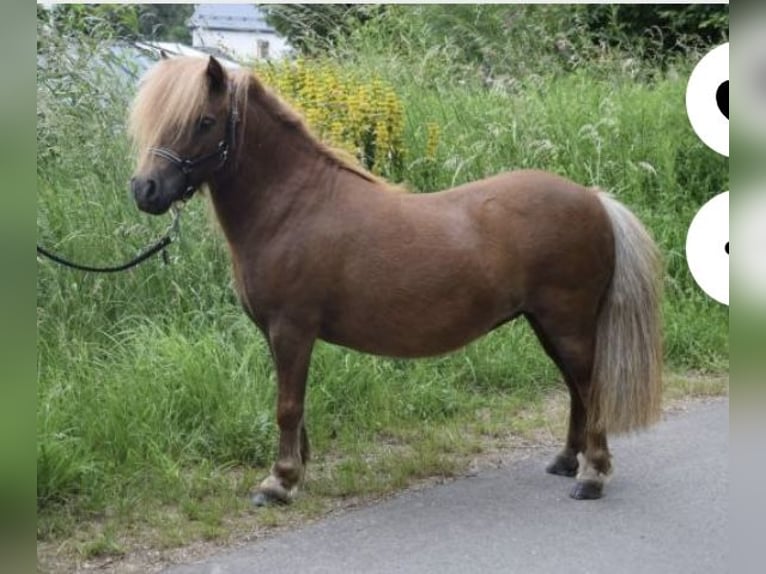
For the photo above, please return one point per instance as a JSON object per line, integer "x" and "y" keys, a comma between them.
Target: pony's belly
{"x": 412, "y": 334}
{"x": 401, "y": 347}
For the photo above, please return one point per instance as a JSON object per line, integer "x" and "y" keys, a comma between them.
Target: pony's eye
{"x": 205, "y": 123}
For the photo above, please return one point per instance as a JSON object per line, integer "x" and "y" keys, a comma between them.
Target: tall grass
{"x": 151, "y": 379}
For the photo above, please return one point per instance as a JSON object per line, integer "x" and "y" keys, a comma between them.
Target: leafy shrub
{"x": 498, "y": 43}
{"x": 657, "y": 31}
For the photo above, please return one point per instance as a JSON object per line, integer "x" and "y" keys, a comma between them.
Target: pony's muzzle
{"x": 147, "y": 195}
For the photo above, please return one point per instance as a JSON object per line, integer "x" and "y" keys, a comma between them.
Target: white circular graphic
{"x": 707, "y": 246}
{"x": 707, "y": 99}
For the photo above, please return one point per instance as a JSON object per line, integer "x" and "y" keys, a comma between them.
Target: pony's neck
{"x": 277, "y": 170}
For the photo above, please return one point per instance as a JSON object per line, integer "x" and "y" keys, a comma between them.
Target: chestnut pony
{"x": 322, "y": 249}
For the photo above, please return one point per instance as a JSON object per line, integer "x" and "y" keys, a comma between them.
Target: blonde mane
{"x": 172, "y": 96}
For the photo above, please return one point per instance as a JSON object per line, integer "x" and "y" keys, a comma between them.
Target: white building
{"x": 239, "y": 30}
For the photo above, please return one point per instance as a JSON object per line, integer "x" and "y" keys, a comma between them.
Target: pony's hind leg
{"x": 571, "y": 346}
{"x": 595, "y": 467}
{"x": 565, "y": 462}
{"x": 291, "y": 351}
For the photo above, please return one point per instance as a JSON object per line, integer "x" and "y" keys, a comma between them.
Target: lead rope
{"x": 159, "y": 246}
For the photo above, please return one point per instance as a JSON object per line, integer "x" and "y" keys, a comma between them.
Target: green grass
{"x": 156, "y": 394}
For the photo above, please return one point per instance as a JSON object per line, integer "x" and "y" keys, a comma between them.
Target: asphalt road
{"x": 665, "y": 511}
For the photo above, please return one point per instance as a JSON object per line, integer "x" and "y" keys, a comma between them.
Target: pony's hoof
{"x": 263, "y": 499}
{"x": 562, "y": 466}
{"x": 587, "y": 490}
{"x": 272, "y": 492}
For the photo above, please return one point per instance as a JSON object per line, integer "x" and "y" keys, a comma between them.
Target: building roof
{"x": 154, "y": 49}
{"x": 237, "y": 17}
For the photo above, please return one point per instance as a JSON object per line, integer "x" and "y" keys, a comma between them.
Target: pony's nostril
{"x": 150, "y": 189}
{"x": 144, "y": 189}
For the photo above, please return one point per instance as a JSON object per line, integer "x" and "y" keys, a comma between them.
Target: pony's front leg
{"x": 291, "y": 350}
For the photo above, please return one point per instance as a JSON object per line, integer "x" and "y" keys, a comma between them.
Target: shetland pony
{"x": 322, "y": 249}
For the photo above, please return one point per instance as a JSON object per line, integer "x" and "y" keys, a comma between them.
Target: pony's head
{"x": 183, "y": 123}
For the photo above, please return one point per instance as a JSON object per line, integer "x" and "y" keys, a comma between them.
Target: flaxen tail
{"x": 627, "y": 371}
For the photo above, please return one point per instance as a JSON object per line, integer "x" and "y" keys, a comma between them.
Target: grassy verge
{"x": 214, "y": 509}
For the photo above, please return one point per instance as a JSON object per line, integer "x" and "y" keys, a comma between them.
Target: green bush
{"x": 485, "y": 43}
{"x": 654, "y": 30}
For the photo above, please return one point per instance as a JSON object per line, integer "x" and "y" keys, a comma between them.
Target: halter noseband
{"x": 221, "y": 153}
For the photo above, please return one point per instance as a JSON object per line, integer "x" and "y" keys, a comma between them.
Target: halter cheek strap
{"x": 221, "y": 153}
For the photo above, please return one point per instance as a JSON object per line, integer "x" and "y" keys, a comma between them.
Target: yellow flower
{"x": 365, "y": 118}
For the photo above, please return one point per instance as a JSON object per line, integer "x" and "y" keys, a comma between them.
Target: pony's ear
{"x": 216, "y": 77}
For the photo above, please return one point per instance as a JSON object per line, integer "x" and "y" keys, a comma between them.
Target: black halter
{"x": 221, "y": 153}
